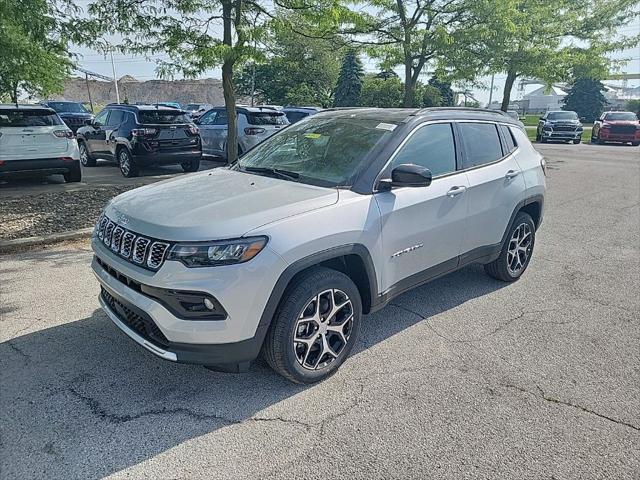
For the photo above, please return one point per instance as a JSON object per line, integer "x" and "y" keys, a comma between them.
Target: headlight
{"x": 223, "y": 252}
{"x": 547, "y": 127}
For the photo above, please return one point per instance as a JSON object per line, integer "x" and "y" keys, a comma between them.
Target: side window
{"x": 208, "y": 118}
{"x": 481, "y": 144}
{"x": 101, "y": 118}
{"x": 116, "y": 118}
{"x": 221, "y": 118}
{"x": 431, "y": 146}
{"x": 508, "y": 138}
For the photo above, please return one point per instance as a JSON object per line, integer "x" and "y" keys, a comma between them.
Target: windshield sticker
{"x": 312, "y": 136}
{"x": 386, "y": 126}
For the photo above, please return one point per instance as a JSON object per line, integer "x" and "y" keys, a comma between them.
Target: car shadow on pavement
{"x": 80, "y": 400}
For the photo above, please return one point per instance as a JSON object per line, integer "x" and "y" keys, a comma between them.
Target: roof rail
{"x": 467, "y": 109}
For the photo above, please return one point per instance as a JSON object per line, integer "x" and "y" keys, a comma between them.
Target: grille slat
{"x": 145, "y": 252}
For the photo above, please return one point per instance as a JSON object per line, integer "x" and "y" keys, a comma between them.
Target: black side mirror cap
{"x": 88, "y": 121}
{"x": 407, "y": 175}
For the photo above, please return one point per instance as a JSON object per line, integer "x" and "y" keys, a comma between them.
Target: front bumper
{"x": 40, "y": 165}
{"x": 619, "y": 137}
{"x": 243, "y": 290}
{"x": 562, "y": 135}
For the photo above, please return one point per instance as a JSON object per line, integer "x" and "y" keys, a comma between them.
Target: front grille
{"x": 564, "y": 128}
{"x": 135, "y": 319}
{"x": 622, "y": 129}
{"x": 143, "y": 251}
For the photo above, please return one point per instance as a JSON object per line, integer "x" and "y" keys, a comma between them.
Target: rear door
{"x": 496, "y": 184}
{"x": 29, "y": 134}
{"x": 213, "y": 131}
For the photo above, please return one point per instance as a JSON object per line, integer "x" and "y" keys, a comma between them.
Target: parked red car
{"x": 616, "y": 127}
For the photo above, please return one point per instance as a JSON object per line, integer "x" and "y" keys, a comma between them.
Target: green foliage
{"x": 633, "y": 106}
{"x": 378, "y": 92}
{"x": 586, "y": 99}
{"x": 298, "y": 71}
{"x": 33, "y": 48}
{"x": 349, "y": 84}
{"x": 446, "y": 92}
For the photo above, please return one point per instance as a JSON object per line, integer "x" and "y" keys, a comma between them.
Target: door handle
{"x": 511, "y": 174}
{"x": 455, "y": 191}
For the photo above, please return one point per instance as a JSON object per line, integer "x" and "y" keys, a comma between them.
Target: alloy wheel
{"x": 323, "y": 329}
{"x": 125, "y": 162}
{"x": 520, "y": 247}
{"x": 84, "y": 155}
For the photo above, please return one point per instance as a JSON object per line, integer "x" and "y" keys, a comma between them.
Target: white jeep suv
{"x": 284, "y": 251}
{"x": 34, "y": 140}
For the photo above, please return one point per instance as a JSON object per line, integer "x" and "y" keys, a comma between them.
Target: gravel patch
{"x": 55, "y": 212}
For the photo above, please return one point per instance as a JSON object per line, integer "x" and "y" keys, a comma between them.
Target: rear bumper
{"x": 166, "y": 158}
{"x": 40, "y": 165}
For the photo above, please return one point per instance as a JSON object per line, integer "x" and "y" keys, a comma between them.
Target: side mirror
{"x": 88, "y": 121}
{"x": 407, "y": 175}
{"x": 583, "y": 119}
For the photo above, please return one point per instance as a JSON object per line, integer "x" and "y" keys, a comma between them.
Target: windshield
{"x": 563, "y": 116}
{"x": 326, "y": 151}
{"x": 628, "y": 116}
{"x": 67, "y": 107}
{"x": 162, "y": 117}
{"x": 28, "y": 118}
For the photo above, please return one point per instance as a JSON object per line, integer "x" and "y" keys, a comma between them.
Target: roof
{"x": 399, "y": 115}
{"x": 145, "y": 108}
{"x": 24, "y": 107}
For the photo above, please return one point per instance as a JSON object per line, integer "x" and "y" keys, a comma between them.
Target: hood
{"x": 564, "y": 122}
{"x": 214, "y": 204}
{"x": 74, "y": 115}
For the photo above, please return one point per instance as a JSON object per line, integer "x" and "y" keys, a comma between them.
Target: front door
{"x": 423, "y": 227}
{"x": 95, "y": 135}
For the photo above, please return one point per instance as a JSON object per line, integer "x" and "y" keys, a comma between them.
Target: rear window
{"x": 267, "y": 118}
{"x": 162, "y": 117}
{"x": 296, "y": 116}
{"x": 28, "y": 118}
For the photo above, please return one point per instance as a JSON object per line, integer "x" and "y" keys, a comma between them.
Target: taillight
{"x": 543, "y": 164}
{"x": 253, "y": 130}
{"x": 193, "y": 130}
{"x": 144, "y": 132}
{"x": 63, "y": 133}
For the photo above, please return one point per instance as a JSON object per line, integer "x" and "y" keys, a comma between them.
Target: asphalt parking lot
{"x": 465, "y": 377}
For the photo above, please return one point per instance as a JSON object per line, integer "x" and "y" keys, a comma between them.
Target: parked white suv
{"x": 284, "y": 251}
{"x": 34, "y": 140}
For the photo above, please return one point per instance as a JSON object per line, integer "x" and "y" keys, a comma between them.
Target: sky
{"x": 144, "y": 69}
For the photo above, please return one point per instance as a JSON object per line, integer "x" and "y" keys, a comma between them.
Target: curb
{"x": 8, "y": 246}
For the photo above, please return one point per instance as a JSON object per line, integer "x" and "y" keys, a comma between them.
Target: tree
{"x": 585, "y": 98}
{"x": 298, "y": 70}
{"x": 633, "y": 106}
{"x": 380, "y": 92}
{"x": 417, "y": 33}
{"x": 446, "y": 92}
{"x": 349, "y": 83}
{"x": 428, "y": 96}
{"x": 535, "y": 39}
{"x": 189, "y": 33}
{"x": 33, "y": 48}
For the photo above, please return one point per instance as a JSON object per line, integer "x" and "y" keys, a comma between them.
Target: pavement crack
{"x": 18, "y": 350}
{"x": 548, "y": 398}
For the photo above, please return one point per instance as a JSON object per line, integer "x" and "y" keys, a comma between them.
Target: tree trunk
{"x": 14, "y": 93}
{"x": 227, "y": 84}
{"x": 506, "y": 93}
{"x": 408, "y": 86}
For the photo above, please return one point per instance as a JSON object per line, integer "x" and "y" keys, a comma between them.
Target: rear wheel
{"x": 191, "y": 165}
{"x": 126, "y": 164}
{"x": 315, "y": 327}
{"x": 74, "y": 174}
{"x": 85, "y": 157}
{"x": 516, "y": 252}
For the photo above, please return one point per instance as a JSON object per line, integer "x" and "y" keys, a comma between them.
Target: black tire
{"x": 543, "y": 140}
{"x": 191, "y": 165}
{"x": 577, "y": 141}
{"x": 599, "y": 140}
{"x": 278, "y": 349}
{"x": 74, "y": 174}
{"x": 500, "y": 268}
{"x": 635, "y": 144}
{"x": 538, "y": 137}
{"x": 127, "y": 166}
{"x": 85, "y": 157}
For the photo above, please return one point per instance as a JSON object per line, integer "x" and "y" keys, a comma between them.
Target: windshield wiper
{"x": 276, "y": 172}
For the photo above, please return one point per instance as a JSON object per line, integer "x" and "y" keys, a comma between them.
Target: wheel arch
{"x": 533, "y": 206}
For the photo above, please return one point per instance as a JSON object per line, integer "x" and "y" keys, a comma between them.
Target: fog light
{"x": 209, "y": 304}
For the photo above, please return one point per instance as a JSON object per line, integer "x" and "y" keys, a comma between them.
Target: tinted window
{"x": 481, "y": 143}
{"x": 67, "y": 107}
{"x": 294, "y": 117}
{"x": 432, "y": 147}
{"x": 221, "y": 118}
{"x": 28, "y": 118}
{"x": 267, "y": 118}
{"x": 508, "y": 138}
{"x": 628, "y": 116}
{"x": 162, "y": 117}
{"x": 116, "y": 117}
{"x": 101, "y": 118}
{"x": 562, "y": 116}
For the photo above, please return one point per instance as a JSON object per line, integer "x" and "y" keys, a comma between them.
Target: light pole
{"x": 115, "y": 79}
{"x": 493, "y": 75}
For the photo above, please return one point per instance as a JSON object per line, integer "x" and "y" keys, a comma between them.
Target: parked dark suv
{"x": 73, "y": 114}
{"x": 559, "y": 125}
{"x": 141, "y": 135}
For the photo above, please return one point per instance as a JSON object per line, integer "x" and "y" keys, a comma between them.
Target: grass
{"x": 586, "y": 134}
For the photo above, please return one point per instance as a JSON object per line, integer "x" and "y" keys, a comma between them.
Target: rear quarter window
{"x": 28, "y": 118}
{"x": 481, "y": 144}
{"x": 509, "y": 139}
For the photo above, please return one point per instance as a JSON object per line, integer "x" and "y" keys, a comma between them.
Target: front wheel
{"x": 315, "y": 327}
{"x": 635, "y": 144}
{"x": 126, "y": 164}
{"x": 516, "y": 251}
{"x": 85, "y": 157}
{"x": 191, "y": 165}
{"x": 576, "y": 141}
{"x": 538, "y": 137}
